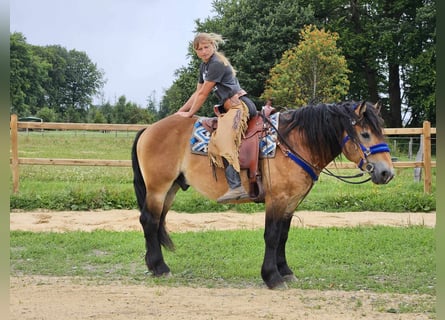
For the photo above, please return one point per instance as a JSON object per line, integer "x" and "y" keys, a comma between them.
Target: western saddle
{"x": 249, "y": 153}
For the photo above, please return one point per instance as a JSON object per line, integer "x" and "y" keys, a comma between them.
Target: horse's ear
{"x": 360, "y": 110}
{"x": 378, "y": 106}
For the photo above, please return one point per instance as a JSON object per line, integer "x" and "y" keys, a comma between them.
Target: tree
{"x": 257, "y": 33}
{"x": 383, "y": 42}
{"x": 108, "y": 112}
{"x": 57, "y": 57}
{"x": 28, "y": 74}
{"x": 313, "y": 71}
{"x": 83, "y": 80}
{"x": 152, "y": 107}
{"x": 96, "y": 116}
{"x": 47, "y": 114}
{"x": 129, "y": 112}
{"x": 418, "y": 74}
{"x": 51, "y": 76}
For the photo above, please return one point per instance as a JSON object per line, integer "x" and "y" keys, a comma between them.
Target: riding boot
{"x": 236, "y": 190}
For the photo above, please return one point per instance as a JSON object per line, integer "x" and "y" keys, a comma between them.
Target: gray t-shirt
{"x": 226, "y": 83}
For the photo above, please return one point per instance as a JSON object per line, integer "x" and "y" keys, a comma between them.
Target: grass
{"x": 87, "y": 188}
{"x": 379, "y": 259}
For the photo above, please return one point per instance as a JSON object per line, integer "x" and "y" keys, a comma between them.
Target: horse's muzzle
{"x": 380, "y": 172}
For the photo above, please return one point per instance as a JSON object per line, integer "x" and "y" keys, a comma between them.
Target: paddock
{"x": 49, "y": 297}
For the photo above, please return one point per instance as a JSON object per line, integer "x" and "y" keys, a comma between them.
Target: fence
{"x": 424, "y": 162}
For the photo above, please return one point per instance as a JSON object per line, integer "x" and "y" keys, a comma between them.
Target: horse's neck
{"x": 301, "y": 147}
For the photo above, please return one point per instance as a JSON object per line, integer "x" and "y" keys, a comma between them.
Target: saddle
{"x": 249, "y": 152}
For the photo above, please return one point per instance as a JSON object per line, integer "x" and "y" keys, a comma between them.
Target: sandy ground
{"x": 41, "y": 297}
{"x": 121, "y": 220}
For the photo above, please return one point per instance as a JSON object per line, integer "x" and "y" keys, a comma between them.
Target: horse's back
{"x": 161, "y": 148}
{"x": 167, "y": 130}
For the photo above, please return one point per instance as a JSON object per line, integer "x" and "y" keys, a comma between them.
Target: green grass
{"x": 85, "y": 188}
{"x": 76, "y": 144}
{"x": 379, "y": 259}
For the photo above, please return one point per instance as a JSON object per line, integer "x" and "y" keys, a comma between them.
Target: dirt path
{"x": 39, "y": 297}
{"x": 121, "y": 220}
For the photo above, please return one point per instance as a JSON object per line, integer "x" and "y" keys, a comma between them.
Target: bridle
{"x": 366, "y": 152}
{"x": 311, "y": 170}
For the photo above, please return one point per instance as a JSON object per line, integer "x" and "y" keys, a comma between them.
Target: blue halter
{"x": 378, "y": 148}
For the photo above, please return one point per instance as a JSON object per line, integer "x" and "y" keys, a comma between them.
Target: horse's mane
{"x": 321, "y": 126}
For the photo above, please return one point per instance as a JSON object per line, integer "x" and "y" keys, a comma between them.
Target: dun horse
{"x": 308, "y": 139}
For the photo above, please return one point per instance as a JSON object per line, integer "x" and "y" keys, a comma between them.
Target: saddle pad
{"x": 200, "y": 139}
{"x": 268, "y": 145}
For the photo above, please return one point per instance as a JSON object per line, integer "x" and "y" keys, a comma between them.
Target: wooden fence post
{"x": 427, "y": 180}
{"x": 14, "y": 154}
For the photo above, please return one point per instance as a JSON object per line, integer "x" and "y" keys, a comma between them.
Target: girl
{"x": 216, "y": 74}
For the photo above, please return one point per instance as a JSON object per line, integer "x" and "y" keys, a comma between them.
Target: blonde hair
{"x": 215, "y": 40}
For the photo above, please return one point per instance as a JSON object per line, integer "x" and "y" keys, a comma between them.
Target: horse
{"x": 308, "y": 139}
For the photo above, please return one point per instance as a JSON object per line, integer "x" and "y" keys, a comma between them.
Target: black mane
{"x": 321, "y": 126}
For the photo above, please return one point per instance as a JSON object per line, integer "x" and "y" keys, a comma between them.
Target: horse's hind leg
{"x": 153, "y": 256}
{"x": 152, "y": 219}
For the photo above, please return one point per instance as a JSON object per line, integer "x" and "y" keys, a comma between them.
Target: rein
{"x": 343, "y": 178}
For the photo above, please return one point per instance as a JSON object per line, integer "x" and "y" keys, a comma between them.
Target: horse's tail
{"x": 141, "y": 193}
{"x": 138, "y": 180}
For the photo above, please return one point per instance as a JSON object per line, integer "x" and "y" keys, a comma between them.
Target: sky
{"x": 137, "y": 43}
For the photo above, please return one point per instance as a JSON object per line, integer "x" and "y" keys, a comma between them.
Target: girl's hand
{"x": 184, "y": 114}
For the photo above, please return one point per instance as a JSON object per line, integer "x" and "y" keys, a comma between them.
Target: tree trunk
{"x": 369, "y": 73}
{"x": 395, "y": 102}
{"x": 371, "y": 79}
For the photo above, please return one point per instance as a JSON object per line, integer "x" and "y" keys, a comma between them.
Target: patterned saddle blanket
{"x": 268, "y": 144}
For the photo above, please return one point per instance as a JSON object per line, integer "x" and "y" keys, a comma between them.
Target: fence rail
{"x": 426, "y": 163}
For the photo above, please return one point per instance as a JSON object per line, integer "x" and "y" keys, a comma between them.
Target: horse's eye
{"x": 365, "y": 135}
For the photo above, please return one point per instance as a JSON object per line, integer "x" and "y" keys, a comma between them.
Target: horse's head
{"x": 364, "y": 144}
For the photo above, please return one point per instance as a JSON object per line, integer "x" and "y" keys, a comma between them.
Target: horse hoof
{"x": 280, "y": 286}
{"x": 165, "y": 275}
{"x": 290, "y": 278}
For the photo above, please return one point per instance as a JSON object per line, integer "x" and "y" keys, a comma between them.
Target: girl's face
{"x": 204, "y": 51}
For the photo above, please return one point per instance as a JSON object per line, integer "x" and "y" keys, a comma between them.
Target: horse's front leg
{"x": 282, "y": 265}
{"x": 153, "y": 255}
{"x": 269, "y": 270}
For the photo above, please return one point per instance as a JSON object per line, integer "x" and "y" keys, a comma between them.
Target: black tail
{"x": 141, "y": 194}
{"x": 138, "y": 180}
